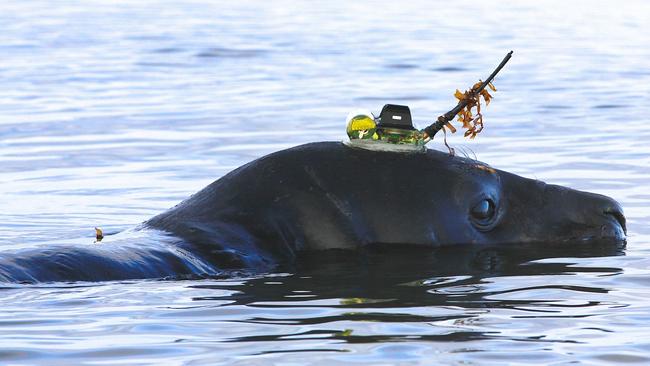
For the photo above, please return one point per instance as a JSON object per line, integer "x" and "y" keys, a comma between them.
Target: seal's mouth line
{"x": 589, "y": 239}
{"x": 596, "y": 238}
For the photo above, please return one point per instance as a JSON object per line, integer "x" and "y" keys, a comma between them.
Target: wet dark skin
{"x": 327, "y": 195}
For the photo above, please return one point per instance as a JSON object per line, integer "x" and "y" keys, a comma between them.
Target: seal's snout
{"x": 584, "y": 215}
{"x": 616, "y": 212}
{"x": 614, "y": 223}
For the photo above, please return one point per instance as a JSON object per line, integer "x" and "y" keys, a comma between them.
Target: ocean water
{"x": 111, "y": 112}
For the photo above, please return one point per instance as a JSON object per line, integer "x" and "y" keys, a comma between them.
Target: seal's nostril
{"x": 617, "y": 213}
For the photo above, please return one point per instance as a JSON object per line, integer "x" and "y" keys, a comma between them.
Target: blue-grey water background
{"x": 111, "y": 112}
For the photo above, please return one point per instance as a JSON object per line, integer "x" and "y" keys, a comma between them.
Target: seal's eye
{"x": 483, "y": 212}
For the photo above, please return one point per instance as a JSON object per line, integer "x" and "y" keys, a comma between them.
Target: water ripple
{"x": 111, "y": 113}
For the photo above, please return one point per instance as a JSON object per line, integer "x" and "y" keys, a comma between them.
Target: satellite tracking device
{"x": 396, "y": 116}
{"x": 393, "y": 130}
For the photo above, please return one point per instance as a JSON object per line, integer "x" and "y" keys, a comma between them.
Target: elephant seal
{"x": 328, "y": 195}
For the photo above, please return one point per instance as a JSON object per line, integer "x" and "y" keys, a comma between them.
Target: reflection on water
{"x": 385, "y": 277}
{"x": 113, "y": 112}
{"x": 383, "y": 303}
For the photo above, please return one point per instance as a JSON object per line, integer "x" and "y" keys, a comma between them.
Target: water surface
{"x": 111, "y": 113}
